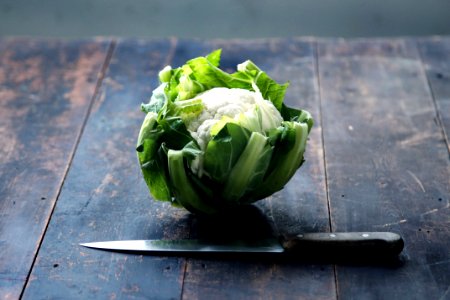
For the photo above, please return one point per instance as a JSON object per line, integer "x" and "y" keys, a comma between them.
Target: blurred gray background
{"x": 224, "y": 19}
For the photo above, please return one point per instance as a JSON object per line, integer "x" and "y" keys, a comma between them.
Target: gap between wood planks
{"x": 433, "y": 96}
{"x": 327, "y": 190}
{"x": 95, "y": 95}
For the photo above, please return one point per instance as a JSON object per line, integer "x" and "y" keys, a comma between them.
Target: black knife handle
{"x": 344, "y": 243}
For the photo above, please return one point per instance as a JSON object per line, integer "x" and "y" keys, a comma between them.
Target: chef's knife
{"x": 347, "y": 243}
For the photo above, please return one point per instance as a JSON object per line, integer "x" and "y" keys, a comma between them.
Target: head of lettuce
{"x": 212, "y": 140}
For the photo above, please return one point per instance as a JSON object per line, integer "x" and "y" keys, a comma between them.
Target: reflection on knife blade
{"x": 379, "y": 243}
{"x": 263, "y": 246}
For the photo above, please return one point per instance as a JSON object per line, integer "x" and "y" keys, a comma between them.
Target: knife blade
{"x": 348, "y": 243}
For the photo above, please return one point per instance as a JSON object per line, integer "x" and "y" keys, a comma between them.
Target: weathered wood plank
{"x": 435, "y": 53}
{"x": 301, "y": 206}
{"x": 104, "y": 174}
{"x": 46, "y": 88}
{"x": 104, "y": 197}
{"x": 387, "y": 165}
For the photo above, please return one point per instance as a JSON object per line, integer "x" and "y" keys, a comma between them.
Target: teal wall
{"x": 224, "y": 19}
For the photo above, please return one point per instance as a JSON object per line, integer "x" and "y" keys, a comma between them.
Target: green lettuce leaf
{"x": 203, "y": 73}
{"x": 224, "y": 150}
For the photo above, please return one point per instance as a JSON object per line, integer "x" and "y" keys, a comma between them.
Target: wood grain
{"x": 105, "y": 197}
{"x": 300, "y": 207}
{"x": 387, "y": 164}
{"x": 378, "y": 156}
{"x": 46, "y": 88}
{"x": 435, "y": 53}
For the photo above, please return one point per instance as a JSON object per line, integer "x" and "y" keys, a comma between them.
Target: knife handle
{"x": 348, "y": 244}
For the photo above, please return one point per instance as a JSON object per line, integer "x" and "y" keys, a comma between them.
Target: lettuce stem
{"x": 245, "y": 168}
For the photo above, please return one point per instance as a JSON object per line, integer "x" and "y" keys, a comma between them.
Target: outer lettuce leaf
{"x": 287, "y": 157}
{"x": 224, "y": 150}
{"x": 296, "y": 115}
{"x": 203, "y": 73}
{"x": 155, "y": 138}
{"x": 156, "y": 178}
{"x": 184, "y": 191}
{"x": 176, "y": 136}
{"x": 269, "y": 88}
{"x": 149, "y": 143}
{"x": 249, "y": 169}
{"x": 214, "y": 57}
{"x": 157, "y": 101}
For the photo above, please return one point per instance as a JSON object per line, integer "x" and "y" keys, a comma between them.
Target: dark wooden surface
{"x": 46, "y": 89}
{"x": 377, "y": 159}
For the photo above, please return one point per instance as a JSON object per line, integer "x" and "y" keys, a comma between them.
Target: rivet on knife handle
{"x": 347, "y": 243}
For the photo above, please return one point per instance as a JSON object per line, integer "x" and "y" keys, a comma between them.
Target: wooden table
{"x": 377, "y": 160}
